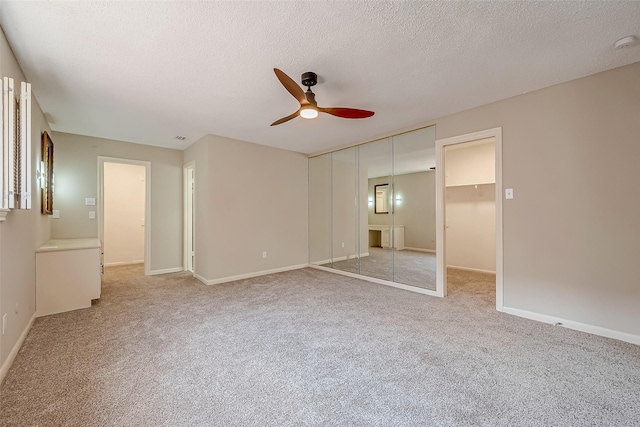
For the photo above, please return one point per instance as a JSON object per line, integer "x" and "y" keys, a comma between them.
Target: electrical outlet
{"x": 508, "y": 193}
{"x": 56, "y": 214}
{"x": 343, "y": 244}
{"x": 92, "y": 214}
{"x": 264, "y": 254}
{"x": 4, "y": 324}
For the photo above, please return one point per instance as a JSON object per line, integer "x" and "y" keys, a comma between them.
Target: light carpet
{"x": 408, "y": 267}
{"x": 308, "y": 347}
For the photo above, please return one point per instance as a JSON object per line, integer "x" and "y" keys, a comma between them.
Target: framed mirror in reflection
{"x": 381, "y": 199}
{"x": 47, "y": 174}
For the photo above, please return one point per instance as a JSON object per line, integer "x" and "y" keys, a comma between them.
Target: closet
{"x": 372, "y": 210}
{"x": 470, "y": 205}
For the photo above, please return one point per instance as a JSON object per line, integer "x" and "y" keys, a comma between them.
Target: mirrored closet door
{"x": 376, "y": 172}
{"x": 372, "y": 210}
{"x": 344, "y": 210}
{"x": 414, "y": 197}
{"x": 320, "y": 210}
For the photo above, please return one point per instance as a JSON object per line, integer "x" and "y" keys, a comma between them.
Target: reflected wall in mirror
{"x": 414, "y": 208}
{"x": 47, "y": 174}
{"x": 382, "y": 198}
{"x": 374, "y": 161}
{"x": 320, "y": 210}
{"x": 344, "y": 211}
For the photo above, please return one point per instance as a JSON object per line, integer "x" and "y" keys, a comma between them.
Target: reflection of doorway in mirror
{"x": 380, "y": 199}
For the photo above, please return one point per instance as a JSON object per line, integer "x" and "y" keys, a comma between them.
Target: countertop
{"x": 69, "y": 245}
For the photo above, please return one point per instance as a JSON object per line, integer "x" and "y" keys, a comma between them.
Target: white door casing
{"x": 189, "y": 217}
{"x": 441, "y": 279}
{"x": 147, "y": 211}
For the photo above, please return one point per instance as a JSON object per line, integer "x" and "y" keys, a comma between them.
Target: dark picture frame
{"x": 47, "y": 159}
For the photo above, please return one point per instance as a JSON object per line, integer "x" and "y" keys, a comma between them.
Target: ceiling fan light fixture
{"x": 308, "y": 112}
{"x": 308, "y": 107}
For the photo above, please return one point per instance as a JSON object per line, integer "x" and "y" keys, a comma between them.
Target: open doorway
{"x": 469, "y": 206}
{"x": 123, "y": 223}
{"x": 189, "y": 216}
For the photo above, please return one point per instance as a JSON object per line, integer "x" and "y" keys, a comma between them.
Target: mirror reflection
{"x": 372, "y": 209}
{"x": 320, "y": 210}
{"x": 382, "y": 198}
{"x": 414, "y": 208}
{"x": 344, "y": 212}
{"x": 376, "y": 172}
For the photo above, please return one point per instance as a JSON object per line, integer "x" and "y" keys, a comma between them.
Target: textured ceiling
{"x": 148, "y": 71}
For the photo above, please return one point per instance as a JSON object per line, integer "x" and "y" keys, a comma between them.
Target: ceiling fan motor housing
{"x": 309, "y": 79}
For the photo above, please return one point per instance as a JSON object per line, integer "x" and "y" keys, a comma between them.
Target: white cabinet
{"x": 385, "y": 235}
{"x": 68, "y": 275}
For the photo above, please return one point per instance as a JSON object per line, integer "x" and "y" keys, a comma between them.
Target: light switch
{"x": 90, "y": 201}
{"x": 508, "y": 193}
{"x": 56, "y": 213}
{"x": 92, "y": 214}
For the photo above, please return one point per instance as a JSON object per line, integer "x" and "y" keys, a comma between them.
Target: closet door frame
{"x": 441, "y": 271}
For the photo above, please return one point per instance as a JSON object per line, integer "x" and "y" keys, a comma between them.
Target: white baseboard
{"x": 354, "y": 256}
{"x": 430, "y": 251}
{"x": 112, "y": 264}
{"x": 166, "y": 270}
{"x": 248, "y": 275}
{"x": 342, "y": 258}
{"x": 578, "y": 326}
{"x": 477, "y": 270}
{"x": 14, "y": 351}
{"x": 200, "y": 278}
{"x": 375, "y": 280}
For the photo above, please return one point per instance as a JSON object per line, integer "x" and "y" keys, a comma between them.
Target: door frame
{"x": 441, "y": 271}
{"x": 189, "y": 193}
{"x": 147, "y": 203}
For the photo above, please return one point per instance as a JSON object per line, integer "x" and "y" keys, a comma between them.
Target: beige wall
{"x": 471, "y": 230}
{"x": 76, "y": 178}
{"x": 571, "y": 234}
{"x": 416, "y": 211}
{"x": 22, "y": 232}
{"x": 124, "y": 199}
{"x": 470, "y": 163}
{"x": 253, "y": 199}
{"x": 470, "y": 209}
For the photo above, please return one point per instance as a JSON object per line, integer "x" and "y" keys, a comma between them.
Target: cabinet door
{"x": 386, "y": 238}
{"x": 66, "y": 280}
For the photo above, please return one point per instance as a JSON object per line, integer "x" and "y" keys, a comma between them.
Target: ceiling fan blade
{"x": 285, "y": 119}
{"x": 291, "y": 86}
{"x": 347, "y": 113}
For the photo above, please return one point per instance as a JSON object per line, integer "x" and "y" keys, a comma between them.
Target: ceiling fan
{"x": 308, "y": 106}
